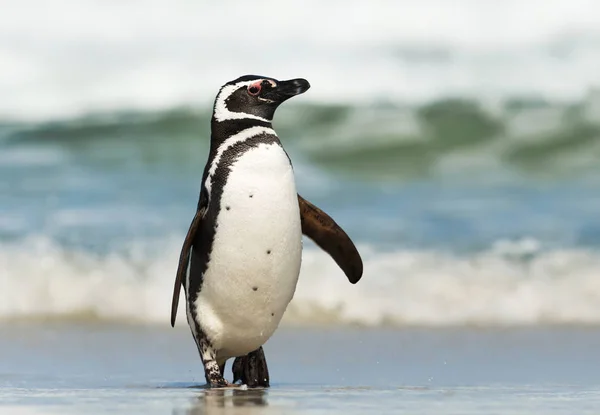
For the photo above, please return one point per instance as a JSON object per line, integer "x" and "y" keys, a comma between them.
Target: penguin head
{"x": 255, "y": 97}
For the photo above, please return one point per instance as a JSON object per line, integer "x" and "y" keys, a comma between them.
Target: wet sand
{"x": 101, "y": 368}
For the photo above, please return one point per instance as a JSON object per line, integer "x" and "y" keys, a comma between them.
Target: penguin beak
{"x": 286, "y": 89}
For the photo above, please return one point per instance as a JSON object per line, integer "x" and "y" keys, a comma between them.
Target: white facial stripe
{"x": 222, "y": 113}
{"x": 229, "y": 142}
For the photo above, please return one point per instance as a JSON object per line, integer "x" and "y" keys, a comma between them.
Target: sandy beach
{"x": 118, "y": 369}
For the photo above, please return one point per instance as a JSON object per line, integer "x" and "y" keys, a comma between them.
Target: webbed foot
{"x": 252, "y": 369}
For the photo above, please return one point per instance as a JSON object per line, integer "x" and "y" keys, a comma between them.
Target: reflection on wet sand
{"x": 231, "y": 401}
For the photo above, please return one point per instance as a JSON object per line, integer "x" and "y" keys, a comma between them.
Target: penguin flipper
{"x": 184, "y": 261}
{"x": 323, "y": 230}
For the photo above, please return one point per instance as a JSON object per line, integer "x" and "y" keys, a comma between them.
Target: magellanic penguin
{"x": 240, "y": 259}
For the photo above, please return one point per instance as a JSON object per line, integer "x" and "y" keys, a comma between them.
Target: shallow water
{"x": 73, "y": 368}
{"x": 461, "y": 157}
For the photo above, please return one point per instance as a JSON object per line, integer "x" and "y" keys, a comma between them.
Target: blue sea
{"x": 458, "y": 144}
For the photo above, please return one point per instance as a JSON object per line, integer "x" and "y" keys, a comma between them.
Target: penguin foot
{"x": 219, "y": 383}
{"x": 213, "y": 372}
{"x": 252, "y": 369}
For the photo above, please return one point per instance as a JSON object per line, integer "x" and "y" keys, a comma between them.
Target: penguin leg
{"x": 251, "y": 369}
{"x": 212, "y": 371}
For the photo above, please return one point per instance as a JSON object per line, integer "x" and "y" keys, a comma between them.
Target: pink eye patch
{"x": 254, "y": 89}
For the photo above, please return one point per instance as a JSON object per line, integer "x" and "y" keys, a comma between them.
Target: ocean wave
{"x": 512, "y": 283}
{"x": 384, "y": 142}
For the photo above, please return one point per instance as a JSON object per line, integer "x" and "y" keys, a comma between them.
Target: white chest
{"x": 256, "y": 254}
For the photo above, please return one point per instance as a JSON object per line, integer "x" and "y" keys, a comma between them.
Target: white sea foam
{"x": 71, "y": 56}
{"x": 510, "y": 284}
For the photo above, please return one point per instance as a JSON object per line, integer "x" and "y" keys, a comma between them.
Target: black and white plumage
{"x": 241, "y": 258}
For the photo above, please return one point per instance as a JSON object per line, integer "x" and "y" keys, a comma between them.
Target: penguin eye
{"x": 254, "y": 89}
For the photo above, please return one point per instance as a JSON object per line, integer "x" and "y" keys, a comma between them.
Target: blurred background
{"x": 458, "y": 143}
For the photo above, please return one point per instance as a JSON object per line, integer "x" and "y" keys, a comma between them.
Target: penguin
{"x": 240, "y": 260}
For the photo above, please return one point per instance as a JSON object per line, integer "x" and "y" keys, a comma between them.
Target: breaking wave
{"x": 512, "y": 283}
{"x": 437, "y": 139}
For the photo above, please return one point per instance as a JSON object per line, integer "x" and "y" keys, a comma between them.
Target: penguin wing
{"x": 323, "y": 230}
{"x": 184, "y": 261}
